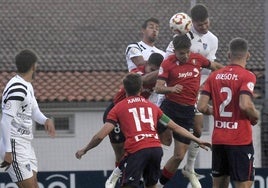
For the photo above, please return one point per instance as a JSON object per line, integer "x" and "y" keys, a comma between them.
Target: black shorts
{"x": 143, "y": 163}
{"x": 182, "y": 115}
{"x": 116, "y": 136}
{"x": 234, "y": 161}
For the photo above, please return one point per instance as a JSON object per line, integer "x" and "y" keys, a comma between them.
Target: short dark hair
{"x": 132, "y": 83}
{"x": 145, "y": 23}
{"x": 199, "y": 12}
{"x": 238, "y": 47}
{"x": 25, "y": 59}
{"x": 181, "y": 42}
{"x": 155, "y": 59}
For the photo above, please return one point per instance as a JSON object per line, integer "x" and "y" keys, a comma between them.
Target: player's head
{"x": 26, "y": 60}
{"x": 154, "y": 62}
{"x": 133, "y": 84}
{"x": 182, "y": 46}
{"x": 200, "y": 18}
{"x": 238, "y": 49}
{"x": 150, "y": 30}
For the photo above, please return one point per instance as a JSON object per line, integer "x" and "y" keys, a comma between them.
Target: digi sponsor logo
{"x": 226, "y": 125}
{"x": 143, "y": 136}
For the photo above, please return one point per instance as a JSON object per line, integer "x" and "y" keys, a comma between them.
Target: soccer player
{"x": 138, "y": 121}
{"x": 149, "y": 73}
{"x": 205, "y": 43}
{"x": 19, "y": 108}
{"x": 231, "y": 90}
{"x": 138, "y": 53}
{"x": 179, "y": 79}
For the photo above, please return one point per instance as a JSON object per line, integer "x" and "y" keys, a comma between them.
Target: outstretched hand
{"x": 80, "y": 153}
{"x": 7, "y": 160}
{"x": 50, "y": 127}
{"x": 205, "y": 145}
{"x": 5, "y": 164}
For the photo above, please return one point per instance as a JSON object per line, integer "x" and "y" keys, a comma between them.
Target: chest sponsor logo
{"x": 193, "y": 73}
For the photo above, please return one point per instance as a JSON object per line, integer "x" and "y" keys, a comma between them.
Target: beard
{"x": 152, "y": 39}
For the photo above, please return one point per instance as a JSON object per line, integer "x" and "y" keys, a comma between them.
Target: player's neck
{"x": 241, "y": 63}
{"x": 26, "y": 76}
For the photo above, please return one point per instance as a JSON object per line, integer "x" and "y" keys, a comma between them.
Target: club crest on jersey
{"x": 134, "y": 50}
{"x": 194, "y": 61}
{"x": 7, "y": 105}
{"x": 28, "y": 166}
{"x": 205, "y": 45}
{"x": 250, "y": 86}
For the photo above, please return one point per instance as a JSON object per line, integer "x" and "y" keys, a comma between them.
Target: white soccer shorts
{"x": 24, "y": 161}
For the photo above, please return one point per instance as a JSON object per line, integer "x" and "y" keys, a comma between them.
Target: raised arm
{"x": 215, "y": 65}
{"x": 165, "y": 120}
{"x": 95, "y": 140}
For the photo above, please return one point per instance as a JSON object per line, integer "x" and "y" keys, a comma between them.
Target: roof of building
{"x": 83, "y": 41}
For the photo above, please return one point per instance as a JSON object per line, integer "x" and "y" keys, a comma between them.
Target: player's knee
{"x": 166, "y": 141}
{"x": 178, "y": 157}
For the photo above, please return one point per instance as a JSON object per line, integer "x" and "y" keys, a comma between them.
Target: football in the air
{"x": 180, "y": 23}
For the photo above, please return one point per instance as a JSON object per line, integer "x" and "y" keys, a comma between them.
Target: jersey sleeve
{"x": 169, "y": 50}
{"x": 248, "y": 84}
{"x": 12, "y": 99}
{"x": 205, "y": 63}
{"x": 214, "y": 47}
{"x": 112, "y": 116}
{"x": 206, "y": 88}
{"x": 164, "y": 69}
{"x": 133, "y": 50}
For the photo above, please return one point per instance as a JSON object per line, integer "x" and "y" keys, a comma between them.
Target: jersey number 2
{"x": 228, "y": 99}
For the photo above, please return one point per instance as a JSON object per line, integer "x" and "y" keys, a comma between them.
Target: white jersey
{"x": 139, "y": 49}
{"x": 18, "y": 101}
{"x": 204, "y": 44}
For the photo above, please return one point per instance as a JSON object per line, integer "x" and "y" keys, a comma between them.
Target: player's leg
{"x": 220, "y": 167}
{"x": 117, "y": 140}
{"x": 24, "y": 165}
{"x": 221, "y": 182}
{"x": 152, "y": 170}
{"x": 244, "y": 184}
{"x": 174, "y": 161}
{"x": 136, "y": 164}
{"x": 118, "y": 151}
{"x": 31, "y": 182}
{"x": 193, "y": 149}
{"x": 242, "y": 165}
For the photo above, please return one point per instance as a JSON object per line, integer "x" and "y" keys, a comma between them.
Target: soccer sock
{"x": 165, "y": 176}
{"x": 117, "y": 170}
{"x": 193, "y": 151}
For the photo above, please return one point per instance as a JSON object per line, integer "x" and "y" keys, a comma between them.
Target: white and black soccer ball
{"x": 180, "y": 23}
